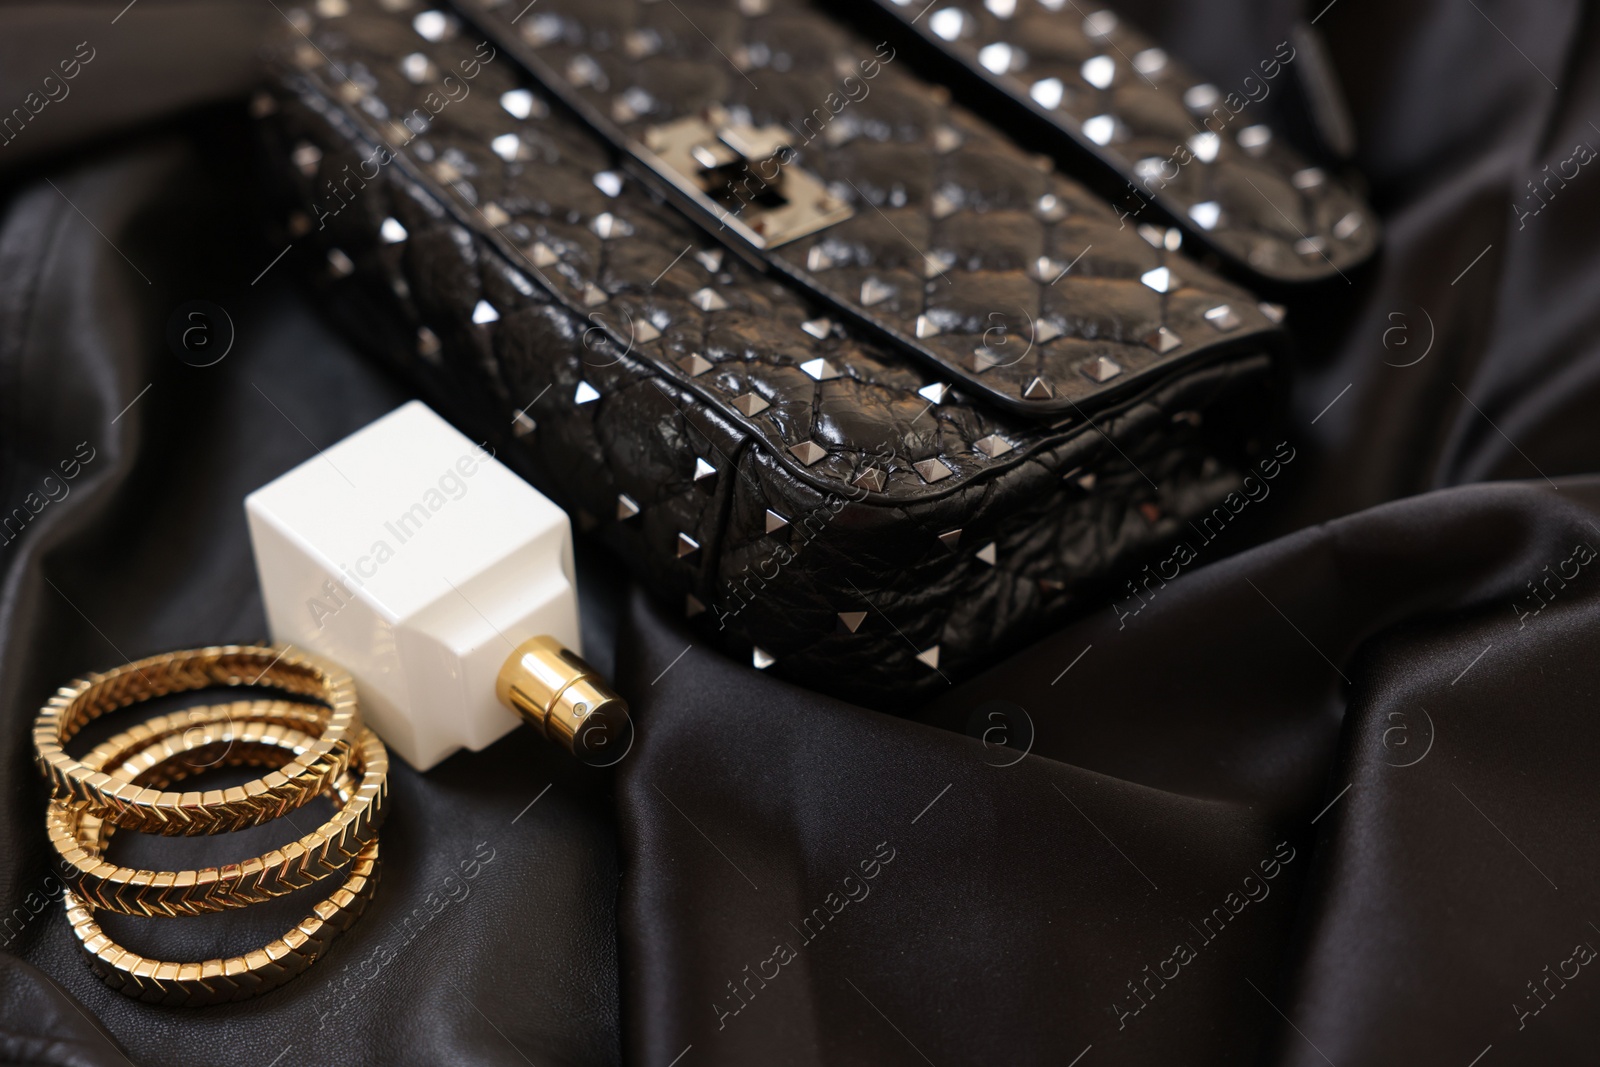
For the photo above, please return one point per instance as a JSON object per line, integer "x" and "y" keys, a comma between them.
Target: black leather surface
{"x": 1174, "y": 145}
{"x": 1399, "y": 543}
{"x": 956, "y": 527}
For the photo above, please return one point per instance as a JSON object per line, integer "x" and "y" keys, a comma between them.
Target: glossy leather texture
{"x": 867, "y": 511}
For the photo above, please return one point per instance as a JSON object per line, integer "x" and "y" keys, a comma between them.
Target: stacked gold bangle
{"x": 310, "y": 750}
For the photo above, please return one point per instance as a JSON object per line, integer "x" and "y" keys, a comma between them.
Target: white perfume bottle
{"x": 441, "y": 581}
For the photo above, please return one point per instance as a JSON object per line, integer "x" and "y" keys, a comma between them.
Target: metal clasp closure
{"x": 745, "y": 175}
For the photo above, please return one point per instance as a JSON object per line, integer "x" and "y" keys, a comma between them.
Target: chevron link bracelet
{"x": 135, "y": 807}
{"x": 206, "y": 737}
{"x": 309, "y": 749}
{"x": 216, "y": 981}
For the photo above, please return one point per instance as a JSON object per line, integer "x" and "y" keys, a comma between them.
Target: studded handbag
{"x": 840, "y": 358}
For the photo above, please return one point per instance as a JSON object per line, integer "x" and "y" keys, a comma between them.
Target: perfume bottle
{"x": 442, "y": 582}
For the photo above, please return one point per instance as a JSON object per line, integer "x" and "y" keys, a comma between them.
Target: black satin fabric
{"x": 1326, "y": 797}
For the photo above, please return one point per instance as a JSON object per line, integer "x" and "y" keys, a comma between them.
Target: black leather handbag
{"x": 838, "y": 366}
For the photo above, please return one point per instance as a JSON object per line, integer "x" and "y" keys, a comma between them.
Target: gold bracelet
{"x": 236, "y": 732}
{"x": 135, "y": 807}
{"x": 218, "y": 981}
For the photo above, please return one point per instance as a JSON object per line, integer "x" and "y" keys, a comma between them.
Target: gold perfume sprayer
{"x": 563, "y": 697}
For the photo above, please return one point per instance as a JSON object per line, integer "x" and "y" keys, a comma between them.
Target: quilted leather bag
{"x": 842, "y": 370}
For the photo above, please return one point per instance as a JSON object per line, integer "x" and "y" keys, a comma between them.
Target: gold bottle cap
{"x": 566, "y": 700}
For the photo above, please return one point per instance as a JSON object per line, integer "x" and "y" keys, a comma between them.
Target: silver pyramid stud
{"x": 929, "y": 656}
{"x": 608, "y": 182}
{"x": 926, "y": 327}
{"x": 851, "y": 620}
{"x": 1205, "y": 145}
{"x": 950, "y": 538}
{"x": 1308, "y": 178}
{"x": 1099, "y": 71}
{"x": 495, "y": 215}
{"x": 1152, "y": 235}
{"x": 522, "y": 425}
{"x": 391, "y": 231}
{"x": 820, "y": 369}
{"x": 585, "y": 394}
{"x": 1206, "y": 214}
{"x": 644, "y": 331}
{"x": 710, "y": 259}
{"x": 1150, "y": 62}
{"x": 1047, "y": 270}
{"x": 750, "y": 404}
{"x": 508, "y": 146}
{"x": 702, "y": 469}
{"x": 518, "y": 103}
{"x": 870, "y": 479}
{"x": 1048, "y": 92}
{"x": 1087, "y": 482}
{"x": 1162, "y": 340}
{"x": 775, "y": 522}
{"x": 1255, "y": 139}
{"x": 1161, "y": 279}
{"x": 761, "y": 659}
{"x": 692, "y": 606}
{"x": 1102, "y": 129}
{"x": 608, "y": 227}
{"x": 627, "y": 507}
{"x": 641, "y": 43}
{"x": 1038, "y": 389}
{"x": 1101, "y": 369}
{"x": 943, "y": 205}
{"x": 934, "y": 394}
{"x": 583, "y": 70}
{"x": 417, "y": 68}
{"x": 1309, "y": 246}
{"x": 341, "y": 264}
{"x": 1347, "y": 226}
{"x": 624, "y": 109}
{"x": 1000, "y": 58}
{"x": 484, "y": 313}
{"x": 818, "y": 328}
{"x": 985, "y": 358}
{"x": 543, "y": 255}
{"x": 1050, "y": 207}
{"x": 818, "y": 259}
{"x": 1273, "y": 312}
{"x": 1045, "y": 331}
{"x": 933, "y": 470}
{"x": 593, "y": 295}
{"x": 875, "y": 292}
{"x": 1100, "y": 24}
{"x": 434, "y": 26}
{"x": 948, "y": 22}
{"x": 946, "y": 139}
{"x": 1223, "y": 317}
{"x": 694, "y": 365}
{"x": 707, "y": 300}
{"x": 936, "y": 263}
{"x": 1202, "y": 97}
{"x": 989, "y": 553}
{"x": 808, "y": 452}
{"x": 428, "y": 345}
{"x": 993, "y": 446}
{"x": 687, "y": 546}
